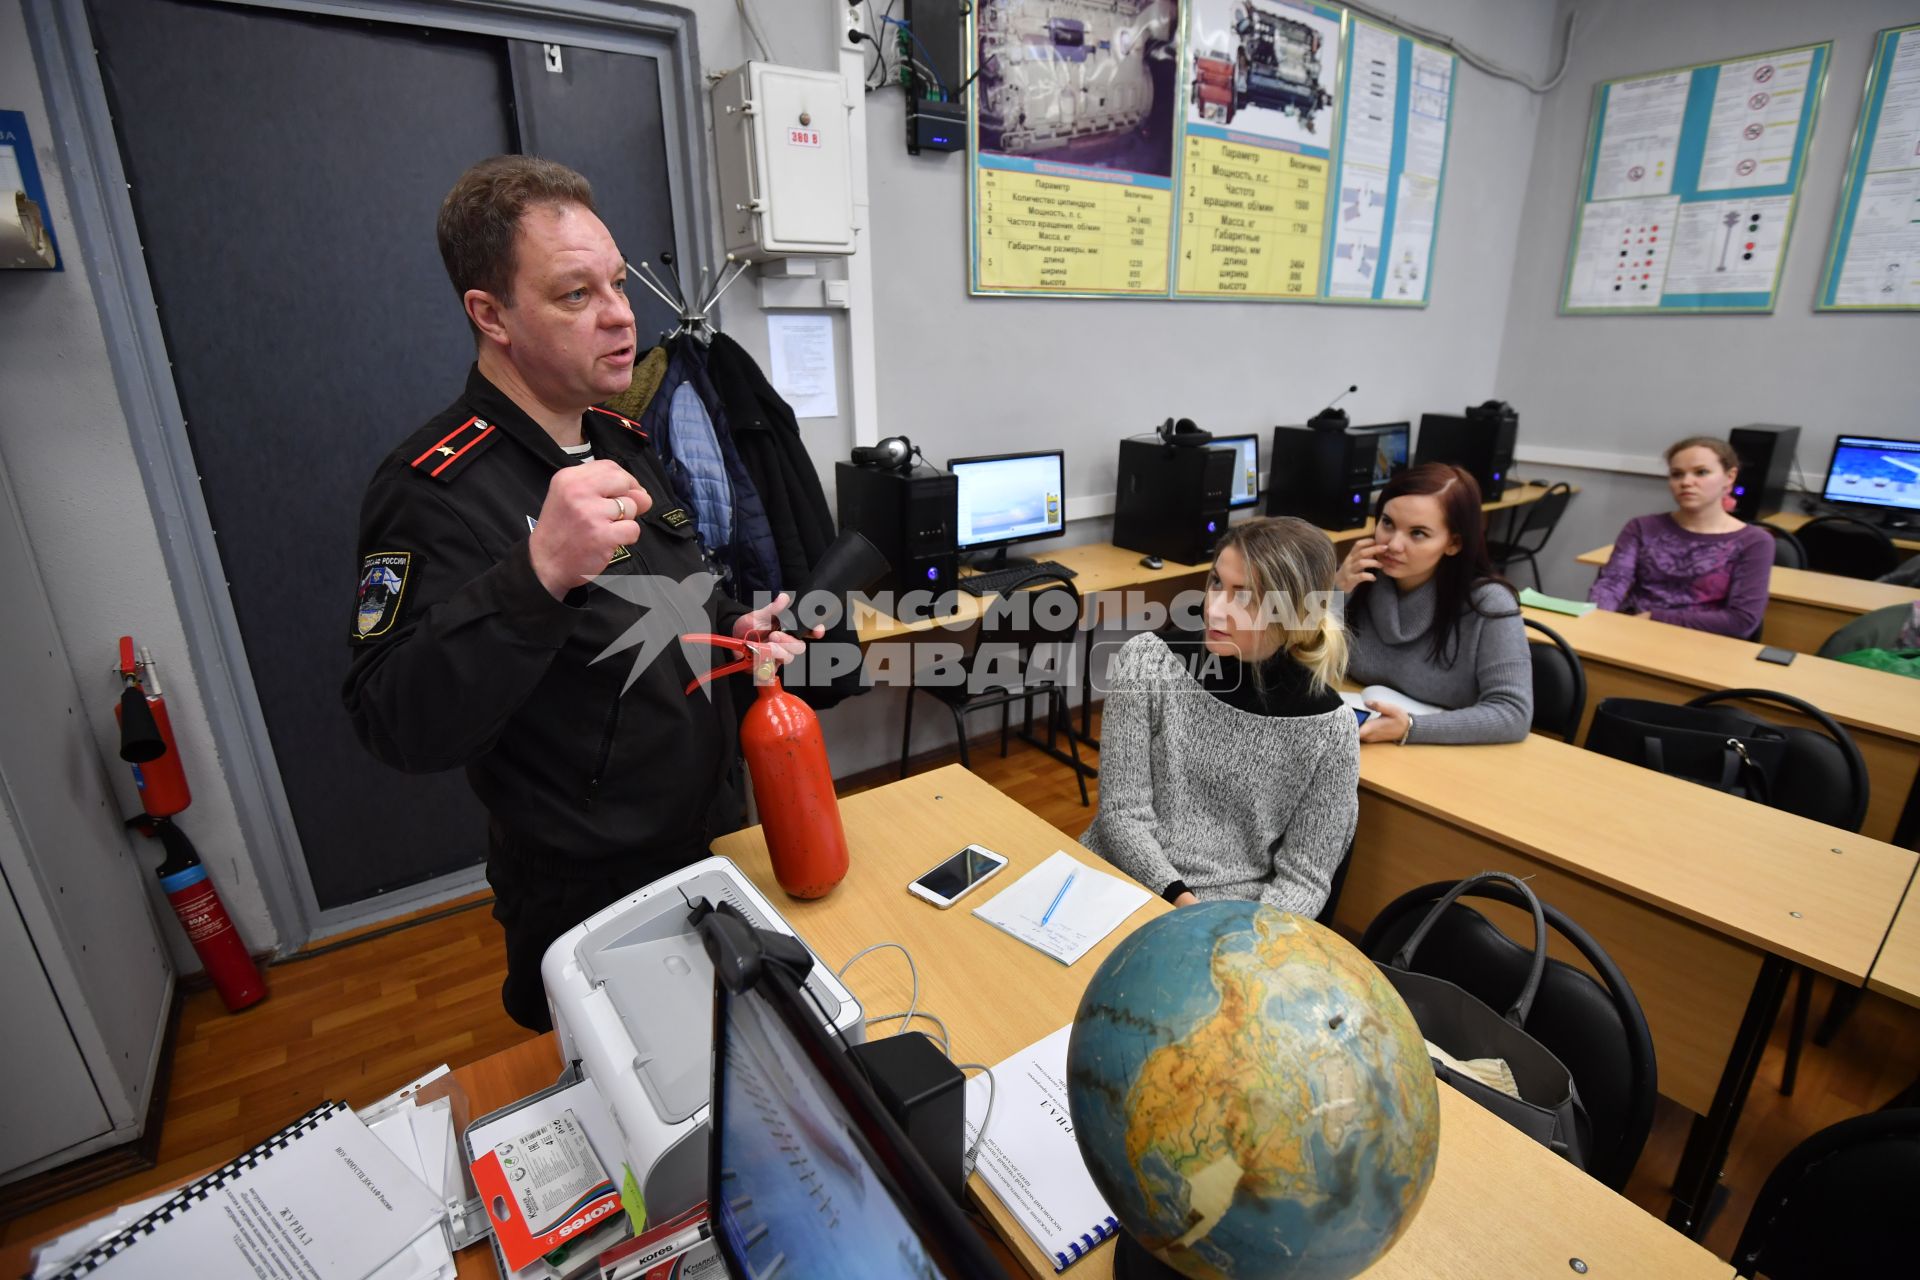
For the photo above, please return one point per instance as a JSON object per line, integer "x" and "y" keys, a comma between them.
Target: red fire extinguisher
{"x": 146, "y": 742}
{"x": 792, "y": 782}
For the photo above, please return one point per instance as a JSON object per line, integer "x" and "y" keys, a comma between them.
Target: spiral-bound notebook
{"x": 323, "y": 1197}
{"x": 1030, "y": 1159}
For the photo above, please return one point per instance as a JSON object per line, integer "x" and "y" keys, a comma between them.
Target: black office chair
{"x": 1846, "y": 546}
{"x": 1596, "y": 1029}
{"x": 1787, "y": 551}
{"x": 1535, "y": 528}
{"x": 1559, "y": 684}
{"x": 1001, "y": 670}
{"x": 1839, "y": 1204}
{"x": 1334, "y": 886}
{"x": 1824, "y": 778}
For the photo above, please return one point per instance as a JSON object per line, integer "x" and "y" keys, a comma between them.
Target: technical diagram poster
{"x": 1399, "y": 99}
{"x": 1258, "y": 130}
{"x": 1072, "y": 143}
{"x": 1875, "y": 261}
{"x": 1690, "y": 184}
{"x": 1639, "y": 135}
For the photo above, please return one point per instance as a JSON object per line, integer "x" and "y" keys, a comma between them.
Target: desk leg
{"x": 1086, "y": 689}
{"x": 1712, "y": 1134}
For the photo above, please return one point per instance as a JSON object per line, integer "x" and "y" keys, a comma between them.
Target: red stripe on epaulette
{"x": 631, "y": 425}
{"x": 478, "y": 436}
{"x": 445, "y": 449}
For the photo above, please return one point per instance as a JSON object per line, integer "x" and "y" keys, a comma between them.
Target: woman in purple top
{"x": 1696, "y": 567}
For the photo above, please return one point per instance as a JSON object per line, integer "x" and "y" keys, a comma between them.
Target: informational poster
{"x": 1269, "y": 150}
{"x": 1690, "y": 184}
{"x": 1399, "y": 96}
{"x": 1257, "y": 144}
{"x": 1874, "y": 264}
{"x": 1072, "y": 146}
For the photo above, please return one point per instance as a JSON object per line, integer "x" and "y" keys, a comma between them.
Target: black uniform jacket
{"x": 462, "y": 659}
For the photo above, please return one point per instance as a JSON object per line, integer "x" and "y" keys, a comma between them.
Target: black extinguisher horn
{"x": 140, "y": 739}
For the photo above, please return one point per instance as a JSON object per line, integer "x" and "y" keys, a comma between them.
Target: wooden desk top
{"x": 1733, "y": 866}
{"x": 1897, "y": 970}
{"x": 1875, "y": 701}
{"x": 1792, "y": 520}
{"x": 998, "y": 995}
{"x": 1803, "y": 586}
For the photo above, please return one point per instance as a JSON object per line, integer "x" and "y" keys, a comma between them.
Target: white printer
{"x": 632, "y": 996}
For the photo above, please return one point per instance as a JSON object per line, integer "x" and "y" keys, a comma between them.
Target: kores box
{"x": 786, "y": 162}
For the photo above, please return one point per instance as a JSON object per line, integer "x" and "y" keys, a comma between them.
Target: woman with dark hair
{"x": 1696, "y": 566}
{"x": 1443, "y": 628}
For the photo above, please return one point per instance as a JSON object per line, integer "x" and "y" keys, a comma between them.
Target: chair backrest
{"x": 1788, "y": 553}
{"x": 1839, "y": 1204}
{"x": 1543, "y": 516}
{"x": 1019, "y": 621}
{"x": 1559, "y": 684}
{"x": 1824, "y": 776}
{"x": 1851, "y": 548}
{"x": 1596, "y": 1029}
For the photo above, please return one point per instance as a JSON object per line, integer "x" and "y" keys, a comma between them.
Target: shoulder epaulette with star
{"x": 624, "y": 421}
{"x": 456, "y": 449}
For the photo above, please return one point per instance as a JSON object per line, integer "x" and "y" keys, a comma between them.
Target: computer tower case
{"x": 1323, "y": 477}
{"x": 1172, "y": 500}
{"x": 1480, "y": 442}
{"x": 1766, "y": 462}
{"x": 911, "y": 517}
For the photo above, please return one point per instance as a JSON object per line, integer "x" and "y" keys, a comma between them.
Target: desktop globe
{"x": 1251, "y": 1097}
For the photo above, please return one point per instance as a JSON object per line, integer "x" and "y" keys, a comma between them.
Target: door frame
{"x": 102, "y": 212}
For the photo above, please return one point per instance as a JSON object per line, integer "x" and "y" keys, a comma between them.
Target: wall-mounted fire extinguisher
{"x": 146, "y": 742}
{"x": 792, "y": 781}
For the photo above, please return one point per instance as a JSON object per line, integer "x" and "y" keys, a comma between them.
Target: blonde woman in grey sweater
{"x": 1229, "y": 767}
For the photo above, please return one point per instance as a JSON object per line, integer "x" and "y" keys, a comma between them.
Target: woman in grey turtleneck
{"x": 1442, "y": 628}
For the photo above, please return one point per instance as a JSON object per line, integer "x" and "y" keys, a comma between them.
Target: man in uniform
{"x": 520, "y": 555}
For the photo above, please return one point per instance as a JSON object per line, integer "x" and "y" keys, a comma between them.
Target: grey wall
{"x": 65, "y": 444}
{"x": 1612, "y": 391}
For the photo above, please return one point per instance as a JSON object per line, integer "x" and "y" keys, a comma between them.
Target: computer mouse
{"x": 1152, "y": 562}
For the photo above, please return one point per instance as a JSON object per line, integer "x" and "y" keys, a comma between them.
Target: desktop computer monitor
{"x": 1874, "y": 471}
{"x": 807, "y": 1173}
{"x": 1010, "y": 497}
{"x": 1246, "y": 469}
{"x": 1390, "y": 449}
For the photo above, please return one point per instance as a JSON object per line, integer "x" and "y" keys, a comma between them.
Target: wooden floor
{"x": 361, "y": 1019}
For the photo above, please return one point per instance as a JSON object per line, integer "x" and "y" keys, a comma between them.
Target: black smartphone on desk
{"x": 1775, "y": 654}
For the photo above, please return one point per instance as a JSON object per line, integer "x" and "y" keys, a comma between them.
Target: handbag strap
{"x": 1523, "y": 1005}
{"x": 1741, "y": 768}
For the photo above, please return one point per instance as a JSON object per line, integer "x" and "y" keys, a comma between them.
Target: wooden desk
{"x": 1804, "y": 607}
{"x": 1472, "y": 1223}
{"x": 1792, "y": 520}
{"x": 1701, "y": 898}
{"x": 1640, "y": 658}
{"x": 1897, "y": 970}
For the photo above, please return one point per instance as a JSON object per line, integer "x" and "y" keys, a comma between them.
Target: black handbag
{"x": 1548, "y": 1109}
{"x": 1716, "y": 746}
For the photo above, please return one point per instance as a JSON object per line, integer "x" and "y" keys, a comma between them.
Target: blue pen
{"x": 1054, "y": 905}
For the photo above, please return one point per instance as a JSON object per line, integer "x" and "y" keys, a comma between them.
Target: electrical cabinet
{"x": 783, "y": 150}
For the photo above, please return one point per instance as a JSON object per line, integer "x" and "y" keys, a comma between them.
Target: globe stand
{"x": 1131, "y": 1261}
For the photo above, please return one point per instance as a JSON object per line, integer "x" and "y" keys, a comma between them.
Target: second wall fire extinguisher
{"x": 146, "y": 742}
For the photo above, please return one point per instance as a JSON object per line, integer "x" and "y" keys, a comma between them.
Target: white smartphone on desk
{"x": 958, "y": 876}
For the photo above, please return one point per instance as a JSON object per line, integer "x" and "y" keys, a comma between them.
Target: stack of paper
{"x": 1556, "y": 604}
{"x": 1063, "y": 908}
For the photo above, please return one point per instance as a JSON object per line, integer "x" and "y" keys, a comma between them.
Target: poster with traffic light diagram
{"x": 1194, "y": 149}
{"x": 1688, "y": 191}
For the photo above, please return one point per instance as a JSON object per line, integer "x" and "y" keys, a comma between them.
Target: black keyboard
{"x": 996, "y": 581}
